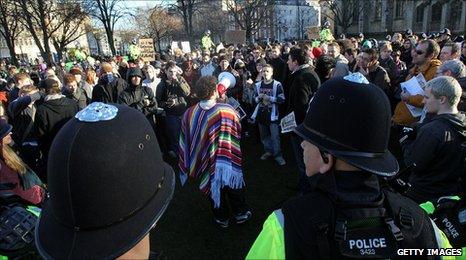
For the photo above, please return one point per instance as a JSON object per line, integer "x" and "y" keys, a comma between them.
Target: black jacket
{"x": 379, "y": 77}
{"x": 310, "y": 220}
{"x": 278, "y": 69}
{"x": 177, "y": 91}
{"x": 79, "y": 96}
{"x": 462, "y": 104}
{"x": 50, "y": 117}
{"x": 108, "y": 92}
{"x": 436, "y": 158}
{"x": 21, "y": 117}
{"x": 390, "y": 66}
{"x": 303, "y": 84}
{"x": 135, "y": 96}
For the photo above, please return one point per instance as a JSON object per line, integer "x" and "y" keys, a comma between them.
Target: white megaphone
{"x": 225, "y": 81}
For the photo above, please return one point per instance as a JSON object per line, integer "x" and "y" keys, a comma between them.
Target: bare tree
{"x": 343, "y": 13}
{"x": 108, "y": 12}
{"x": 48, "y": 21}
{"x": 10, "y": 27}
{"x": 157, "y": 24}
{"x": 187, "y": 9}
{"x": 249, "y": 15}
{"x": 210, "y": 18}
{"x": 74, "y": 19}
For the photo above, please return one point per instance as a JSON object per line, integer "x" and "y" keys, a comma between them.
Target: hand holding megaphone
{"x": 225, "y": 81}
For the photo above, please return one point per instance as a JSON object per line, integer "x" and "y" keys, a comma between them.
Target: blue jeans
{"x": 303, "y": 180}
{"x": 270, "y": 137}
{"x": 173, "y": 127}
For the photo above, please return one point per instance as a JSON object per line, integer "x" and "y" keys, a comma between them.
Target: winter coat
{"x": 22, "y": 117}
{"x": 379, "y": 77}
{"x": 402, "y": 116}
{"x": 108, "y": 92}
{"x": 50, "y": 118}
{"x": 175, "y": 90}
{"x": 436, "y": 157}
{"x": 134, "y": 97}
{"x": 303, "y": 85}
{"x": 79, "y": 96}
{"x": 341, "y": 68}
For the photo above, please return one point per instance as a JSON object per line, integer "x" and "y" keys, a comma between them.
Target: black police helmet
{"x": 351, "y": 120}
{"x": 108, "y": 185}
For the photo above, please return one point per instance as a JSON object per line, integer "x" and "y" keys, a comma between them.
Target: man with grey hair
{"x": 457, "y": 70}
{"x": 435, "y": 156}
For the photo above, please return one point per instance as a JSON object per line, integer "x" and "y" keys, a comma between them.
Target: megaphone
{"x": 225, "y": 80}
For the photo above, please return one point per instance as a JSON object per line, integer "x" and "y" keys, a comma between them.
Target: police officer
{"x": 349, "y": 212}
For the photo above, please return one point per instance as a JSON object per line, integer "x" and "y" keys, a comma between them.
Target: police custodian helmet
{"x": 350, "y": 119}
{"x": 108, "y": 185}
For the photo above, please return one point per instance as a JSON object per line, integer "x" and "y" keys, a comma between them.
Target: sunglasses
{"x": 419, "y": 52}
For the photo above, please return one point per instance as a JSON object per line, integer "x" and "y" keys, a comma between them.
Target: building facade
{"x": 287, "y": 19}
{"x": 27, "y": 51}
{"x": 293, "y": 18}
{"x": 380, "y": 17}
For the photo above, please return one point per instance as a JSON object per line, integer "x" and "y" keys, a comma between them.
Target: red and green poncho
{"x": 209, "y": 148}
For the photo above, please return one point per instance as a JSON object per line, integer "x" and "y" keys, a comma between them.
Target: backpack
{"x": 17, "y": 225}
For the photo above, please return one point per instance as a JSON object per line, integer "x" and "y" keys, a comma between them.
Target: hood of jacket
{"x": 457, "y": 122}
{"x": 133, "y": 72}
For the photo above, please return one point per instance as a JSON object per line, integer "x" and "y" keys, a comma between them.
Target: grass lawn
{"x": 187, "y": 231}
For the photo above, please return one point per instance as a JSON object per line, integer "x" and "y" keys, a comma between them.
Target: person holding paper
{"x": 426, "y": 63}
{"x": 302, "y": 84}
{"x": 436, "y": 156}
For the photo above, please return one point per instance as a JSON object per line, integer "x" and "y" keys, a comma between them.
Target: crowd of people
{"x": 346, "y": 96}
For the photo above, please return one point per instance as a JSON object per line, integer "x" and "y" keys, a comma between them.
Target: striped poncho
{"x": 209, "y": 148}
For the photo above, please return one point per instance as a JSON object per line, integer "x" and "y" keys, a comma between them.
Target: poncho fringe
{"x": 209, "y": 149}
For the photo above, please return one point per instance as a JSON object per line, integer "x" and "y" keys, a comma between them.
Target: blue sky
{"x": 130, "y": 4}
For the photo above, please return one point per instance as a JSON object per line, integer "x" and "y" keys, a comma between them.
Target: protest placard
{"x": 146, "y": 47}
{"x": 288, "y": 123}
{"x": 185, "y": 47}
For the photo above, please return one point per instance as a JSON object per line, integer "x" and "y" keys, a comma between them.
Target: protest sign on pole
{"x": 146, "y": 47}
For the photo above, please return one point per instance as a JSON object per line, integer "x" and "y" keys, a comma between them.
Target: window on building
{"x": 356, "y": 9}
{"x": 420, "y": 14}
{"x": 378, "y": 10}
{"x": 455, "y": 14}
{"x": 399, "y": 9}
{"x": 436, "y": 12}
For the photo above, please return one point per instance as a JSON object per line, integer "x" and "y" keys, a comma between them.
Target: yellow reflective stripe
{"x": 442, "y": 240}
{"x": 270, "y": 244}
